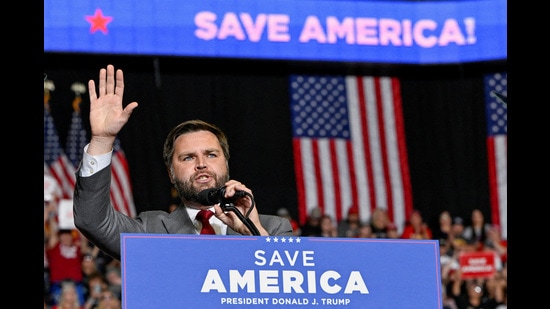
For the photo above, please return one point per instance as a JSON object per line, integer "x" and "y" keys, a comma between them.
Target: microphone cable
{"x": 244, "y": 218}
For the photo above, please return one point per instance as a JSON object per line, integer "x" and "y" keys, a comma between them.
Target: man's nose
{"x": 201, "y": 163}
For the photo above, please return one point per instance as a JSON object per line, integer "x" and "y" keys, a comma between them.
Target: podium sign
{"x": 213, "y": 271}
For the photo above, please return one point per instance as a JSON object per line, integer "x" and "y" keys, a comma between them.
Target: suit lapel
{"x": 179, "y": 222}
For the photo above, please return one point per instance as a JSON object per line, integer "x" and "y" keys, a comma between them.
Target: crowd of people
{"x": 488, "y": 291}
{"x": 77, "y": 275}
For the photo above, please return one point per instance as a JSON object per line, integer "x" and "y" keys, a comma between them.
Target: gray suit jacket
{"x": 95, "y": 217}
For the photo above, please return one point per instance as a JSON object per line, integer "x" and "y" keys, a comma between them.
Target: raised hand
{"x": 107, "y": 114}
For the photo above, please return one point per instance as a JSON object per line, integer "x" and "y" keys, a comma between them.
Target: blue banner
{"x": 396, "y": 32}
{"x": 212, "y": 271}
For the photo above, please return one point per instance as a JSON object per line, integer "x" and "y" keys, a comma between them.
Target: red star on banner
{"x": 98, "y": 21}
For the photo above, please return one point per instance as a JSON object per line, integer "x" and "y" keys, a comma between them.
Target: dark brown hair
{"x": 189, "y": 127}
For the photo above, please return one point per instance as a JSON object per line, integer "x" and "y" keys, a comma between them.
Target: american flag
{"x": 55, "y": 160}
{"x": 76, "y": 140}
{"x": 121, "y": 187}
{"x": 497, "y": 147}
{"x": 349, "y": 146}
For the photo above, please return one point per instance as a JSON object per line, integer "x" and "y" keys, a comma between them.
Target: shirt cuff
{"x": 93, "y": 164}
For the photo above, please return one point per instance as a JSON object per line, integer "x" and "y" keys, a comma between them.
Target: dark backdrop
{"x": 249, "y": 99}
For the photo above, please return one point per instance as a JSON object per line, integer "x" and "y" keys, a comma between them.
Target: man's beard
{"x": 187, "y": 192}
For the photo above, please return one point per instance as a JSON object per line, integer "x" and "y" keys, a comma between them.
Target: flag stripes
{"x": 55, "y": 160}
{"x": 349, "y": 147}
{"x": 497, "y": 147}
{"x": 121, "y": 187}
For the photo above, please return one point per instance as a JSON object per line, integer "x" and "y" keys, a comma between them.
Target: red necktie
{"x": 203, "y": 217}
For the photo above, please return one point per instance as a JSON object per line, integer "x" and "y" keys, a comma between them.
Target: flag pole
{"x": 48, "y": 87}
{"x": 78, "y": 89}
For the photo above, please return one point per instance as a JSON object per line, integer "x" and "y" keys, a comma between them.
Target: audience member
{"x": 416, "y": 228}
{"x": 64, "y": 254}
{"x": 312, "y": 226}
{"x": 365, "y": 231}
{"x": 456, "y": 238}
{"x": 89, "y": 267}
{"x": 283, "y": 212}
{"x": 328, "y": 229}
{"x": 379, "y": 222}
{"x": 495, "y": 288}
{"x": 495, "y": 242}
{"x": 109, "y": 300}
{"x": 114, "y": 278}
{"x": 443, "y": 230}
{"x": 391, "y": 231}
{"x": 174, "y": 200}
{"x": 502, "y": 287}
{"x": 349, "y": 227}
{"x": 470, "y": 293}
{"x": 101, "y": 258}
{"x": 447, "y": 300}
{"x": 88, "y": 264}
{"x": 68, "y": 296}
{"x": 476, "y": 232}
{"x": 172, "y": 207}
{"x": 50, "y": 210}
{"x": 447, "y": 262}
{"x": 96, "y": 284}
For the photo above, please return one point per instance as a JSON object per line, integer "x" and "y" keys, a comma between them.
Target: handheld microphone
{"x": 217, "y": 195}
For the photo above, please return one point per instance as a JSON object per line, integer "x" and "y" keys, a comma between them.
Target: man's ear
{"x": 171, "y": 175}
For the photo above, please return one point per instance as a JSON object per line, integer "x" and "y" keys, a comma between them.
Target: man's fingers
{"x": 102, "y": 82}
{"x": 91, "y": 90}
{"x": 119, "y": 83}
{"x": 110, "y": 79}
{"x": 129, "y": 109}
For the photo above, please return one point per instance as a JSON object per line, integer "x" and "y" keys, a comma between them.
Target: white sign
{"x": 50, "y": 187}
{"x": 65, "y": 215}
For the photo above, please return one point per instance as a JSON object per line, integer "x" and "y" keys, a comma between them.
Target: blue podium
{"x": 213, "y": 271}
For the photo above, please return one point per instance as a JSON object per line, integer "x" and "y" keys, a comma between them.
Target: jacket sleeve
{"x": 95, "y": 217}
{"x": 276, "y": 226}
